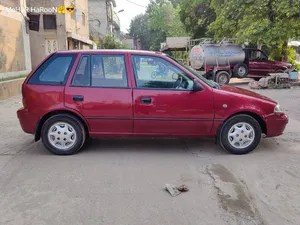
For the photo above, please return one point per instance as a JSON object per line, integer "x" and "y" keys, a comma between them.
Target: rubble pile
{"x": 274, "y": 81}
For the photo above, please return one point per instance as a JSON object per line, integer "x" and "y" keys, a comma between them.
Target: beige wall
{"x": 10, "y": 3}
{"x": 72, "y": 23}
{"x": 65, "y": 23}
{"x": 14, "y": 42}
{"x": 38, "y": 39}
{"x": 98, "y": 24}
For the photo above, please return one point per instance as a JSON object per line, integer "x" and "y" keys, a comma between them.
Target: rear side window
{"x": 54, "y": 71}
{"x": 101, "y": 71}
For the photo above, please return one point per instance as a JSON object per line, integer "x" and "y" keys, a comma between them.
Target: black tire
{"x": 222, "y": 77}
{"x": 78, "y": 129}
{"x": 279, "y": 71}
{"x": 240, "y": 70}
{"x": 228, "y": 124}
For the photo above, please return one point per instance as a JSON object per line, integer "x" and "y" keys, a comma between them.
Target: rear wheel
{"x": 240, "y": 70}
{"x": 222, "y": 77}
{"x": 240, "y": 134}
{"x": 63, "y": 134}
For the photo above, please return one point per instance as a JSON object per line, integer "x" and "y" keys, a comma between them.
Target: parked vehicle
{"x": 224, "y": 61}
{"x": 68, "y": 98}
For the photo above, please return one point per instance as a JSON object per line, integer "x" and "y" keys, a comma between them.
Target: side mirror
{"x": 197, "y": 86}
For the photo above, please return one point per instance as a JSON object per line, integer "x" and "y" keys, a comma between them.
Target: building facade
{"x": 14, "y": 39}
{"x": 62, "y": 25}
{"x": 131, "y": 42}
{"x": 103, "y": 19}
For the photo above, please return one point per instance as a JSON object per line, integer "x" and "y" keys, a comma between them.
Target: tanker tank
{"x": 216, "y": 54}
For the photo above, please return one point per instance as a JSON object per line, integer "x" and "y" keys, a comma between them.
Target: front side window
{"x": 54, "y": 71}
{"x": 157, "y": 73}
{"x": 258, "y": 55}
{"x": 101, "y": 71}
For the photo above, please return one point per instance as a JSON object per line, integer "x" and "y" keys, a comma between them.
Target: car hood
{"x": 247, "y": 93}
{"x": 285, "y": 64}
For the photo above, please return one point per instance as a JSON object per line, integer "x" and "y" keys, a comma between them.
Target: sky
{"x": 130, "y": 11}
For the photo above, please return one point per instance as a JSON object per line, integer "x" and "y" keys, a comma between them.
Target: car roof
{"x": 112, "y": 51}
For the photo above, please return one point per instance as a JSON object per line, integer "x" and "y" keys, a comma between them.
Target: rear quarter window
{"x": 54, "y": 71}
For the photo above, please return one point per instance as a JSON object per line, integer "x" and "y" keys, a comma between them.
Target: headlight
{"x": 278, "y": 109}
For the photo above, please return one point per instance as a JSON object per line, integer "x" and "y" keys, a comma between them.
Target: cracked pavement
{"x": 121, "y": 181}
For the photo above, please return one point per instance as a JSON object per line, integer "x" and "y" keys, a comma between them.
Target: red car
{"x": 75, "y": 95}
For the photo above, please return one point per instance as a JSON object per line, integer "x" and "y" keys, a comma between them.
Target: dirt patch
{"x": 234, "y": 197}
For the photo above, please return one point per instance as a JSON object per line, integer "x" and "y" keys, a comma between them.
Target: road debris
{"x": 174, "y": 191}
{"x": 183, "y": 188}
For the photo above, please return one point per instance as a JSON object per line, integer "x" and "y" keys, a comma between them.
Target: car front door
{"x": 100, "y": 91}
{"x": 164, "y": 100}
{"x": 259, "y": 64}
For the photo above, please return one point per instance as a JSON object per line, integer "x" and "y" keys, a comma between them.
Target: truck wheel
{"x": 222, "y": 77}
{"x": 240, "y": 70}
{"x": 240, "y": 134}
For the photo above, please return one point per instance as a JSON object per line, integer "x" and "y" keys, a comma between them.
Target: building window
{"x": 83, "y": 19}
{"x": 34, "y": 22}
{"x": 49, "y": 22}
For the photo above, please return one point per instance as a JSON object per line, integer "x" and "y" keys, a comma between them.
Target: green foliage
{"x": 296, "y": 65}
{"x": 276, "y": 53}
{"x": 13, "y": 77}
{"x": 271, "y": 22}
{"x": 139, "y": 28}
{"x": 196, "y": 15}
{"x": 109, "y": 42}
{"x": 160, "y": 21}
{"x": 164, "y": 20}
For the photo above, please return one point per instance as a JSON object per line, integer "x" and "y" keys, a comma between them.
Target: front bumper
{"x": 27, "y": 120}
{"x": 276, "y": 124}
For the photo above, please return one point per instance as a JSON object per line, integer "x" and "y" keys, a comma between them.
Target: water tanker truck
{"x": 219, "y": 61}
{"x": 223, "y": 61}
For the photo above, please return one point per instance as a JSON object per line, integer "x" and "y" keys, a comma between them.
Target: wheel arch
{"x": 41, "y": 122}
{"x": 281, "y": 68}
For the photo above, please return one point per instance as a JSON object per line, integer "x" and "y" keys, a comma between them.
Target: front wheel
{"x": 240, "y": 134}
{"x": 63, "y": 134}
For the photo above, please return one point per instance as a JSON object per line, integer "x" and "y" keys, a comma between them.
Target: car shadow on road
{"x": 154, "y": 145}
{"x": 194, "y": 146}
{"x": 142, "y": 145}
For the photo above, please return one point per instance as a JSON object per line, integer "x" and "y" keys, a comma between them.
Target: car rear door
{"x": 161, "y": 108}
{"x": 100, "y": 91}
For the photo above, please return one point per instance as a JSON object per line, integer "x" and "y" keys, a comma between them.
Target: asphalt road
{"x": 122, "y": 181}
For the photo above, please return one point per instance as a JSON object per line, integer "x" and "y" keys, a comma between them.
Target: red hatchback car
{"x": 75, "y": 95}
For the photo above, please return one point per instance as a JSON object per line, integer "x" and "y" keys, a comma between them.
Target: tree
{"x": 110, "y": 42}
{"x": 196, "y": 15}
{"x": 139, "y": 28}
{"x": 268, "y": 22}
{"x": 160, "y": 20}
{"x": 164, "y": 21}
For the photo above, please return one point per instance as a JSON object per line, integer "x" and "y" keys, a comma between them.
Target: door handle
{"x": 78, "y": 98}
{"x": 146, "y": 100}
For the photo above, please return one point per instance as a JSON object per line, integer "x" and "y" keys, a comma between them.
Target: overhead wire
{"x": 136, "y": 4}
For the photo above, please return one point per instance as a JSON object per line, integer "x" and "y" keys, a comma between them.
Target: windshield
{"x": 208, "y": 82}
